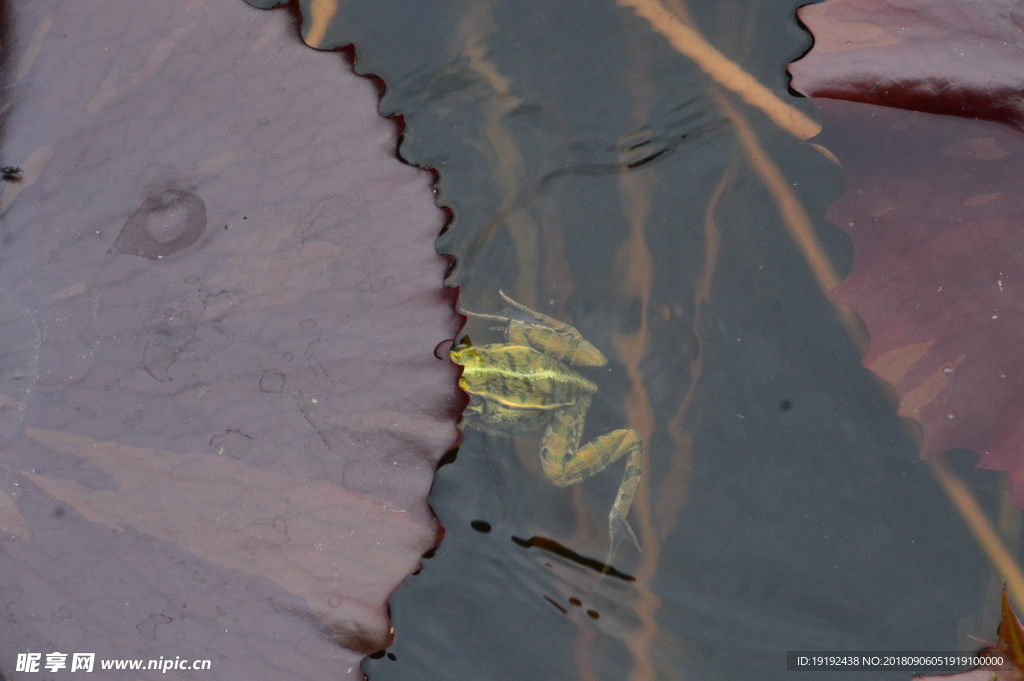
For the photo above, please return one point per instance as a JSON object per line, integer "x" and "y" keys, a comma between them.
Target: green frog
{"x": 526, "y": 385}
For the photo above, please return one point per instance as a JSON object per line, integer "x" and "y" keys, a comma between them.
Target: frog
{"x": 527, "y": 384}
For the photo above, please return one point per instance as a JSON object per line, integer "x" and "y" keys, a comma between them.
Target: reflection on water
{"x": 609, "y": 168}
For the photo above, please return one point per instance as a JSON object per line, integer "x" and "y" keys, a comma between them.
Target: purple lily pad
{"x": 220, "y": 409}
{"x": 938, "y": 56}
{"x": 932, "y": 206}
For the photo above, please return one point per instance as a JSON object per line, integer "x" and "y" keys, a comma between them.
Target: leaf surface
{"x": 934, "y": 209}
{"x": 933, "y": 205}
{"x": 940, "y": 56}
{"x": 220, "y": 410}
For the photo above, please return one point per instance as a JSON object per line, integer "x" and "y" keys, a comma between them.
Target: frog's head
{"x": 468, "y": 357}
{"x": 464, "y": 354}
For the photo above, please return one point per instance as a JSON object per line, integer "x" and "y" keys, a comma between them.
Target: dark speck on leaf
{"x": 59, "y": 512}
{"x": 785, "y": 405}
{"x": 11, "y": 173}
{"x": 234, "y": 443}
{"x": 157, "y": 359}
{"x": 148, "y": 627}
{"x": 481, "y": 526}
{"x": 377, "y": 655}
{"x": 165, "y": 223}
{"x": 272, "y": 381}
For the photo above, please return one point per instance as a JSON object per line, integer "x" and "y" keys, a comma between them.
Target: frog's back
{"x": 520, "y": 377}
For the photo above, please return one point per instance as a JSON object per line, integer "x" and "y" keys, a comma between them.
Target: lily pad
{"x": 220, "y": 409}
{"x": 932, "y": 205}
{"x": 939, "y": 56}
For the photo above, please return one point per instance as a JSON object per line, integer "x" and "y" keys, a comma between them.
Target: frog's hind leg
{"x": 597, "y": 455}
{"x": 566, "y": 463}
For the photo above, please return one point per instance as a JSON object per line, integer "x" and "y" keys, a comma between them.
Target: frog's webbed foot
{"x": 618, "y": 528}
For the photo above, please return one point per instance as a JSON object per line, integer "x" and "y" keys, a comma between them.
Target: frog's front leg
{"x": 566, "y": 463}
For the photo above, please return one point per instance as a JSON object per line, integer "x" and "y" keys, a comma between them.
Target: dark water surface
{"x": 597, "y": 175}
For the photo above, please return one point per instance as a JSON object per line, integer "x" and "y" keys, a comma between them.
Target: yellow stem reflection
{"x": 673, "y": 490}
{"x": 792, "y": 211}
{"x": 320, "y": 14}
{"x": 982, "y": 529}
{"x": 688, "y": 41}
{"x": 502, "y": 153}
{"x": 634, "y": 261}
{"x": 584, "y": 659}
{"x": 635, "y": 269}
{"x": 794, "y": 215}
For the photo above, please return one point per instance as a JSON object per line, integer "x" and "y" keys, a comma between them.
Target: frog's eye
{"x": 475, "y": 406}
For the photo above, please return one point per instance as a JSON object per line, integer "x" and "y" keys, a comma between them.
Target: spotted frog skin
{"x": 526, "y": 385}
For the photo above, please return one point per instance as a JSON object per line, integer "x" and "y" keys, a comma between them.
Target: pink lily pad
{"x": 220, "y": 409}
{"x": 933, "y": 206}
{"x": 934, "y": 210}
{"x": 940, "y": 56}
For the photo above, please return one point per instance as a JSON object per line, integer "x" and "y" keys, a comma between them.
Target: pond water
{"x": 597, "y": 175}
